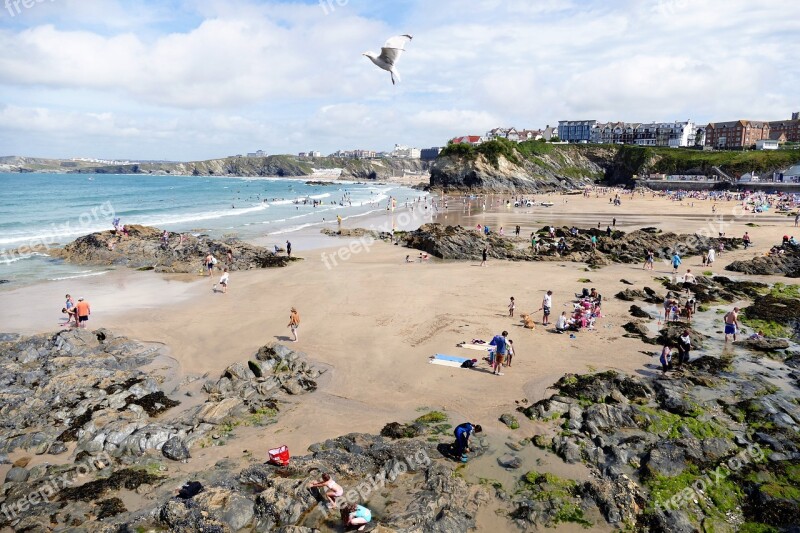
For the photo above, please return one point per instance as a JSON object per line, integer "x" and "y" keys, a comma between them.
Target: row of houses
{"x": 674, "y": 134}
{"x": 738, "y": 134}
{"x": 511, "y": 134}
{"x": 731, "y": 135}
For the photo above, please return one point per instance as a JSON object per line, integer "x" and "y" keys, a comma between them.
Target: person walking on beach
{"x": 676, "y": 262}
{"x": 796, "y": 219}
{"x": 222, "y": 281}
{"x": 517, "y": 230}
{"x": 209, "y": 263}
{"x": 710, "y": 257}
{"x": 649, "y": 260}
{"x": 511, "y": 306}
{"x": 547, "y": 305}
{"x": 83, "y": 310}
{"x": 746, "y": 240}
{"x": 484, "y": 255}
{"x": 731, "y": 323}
{"x": 288, "y": 249}
{"x": 294, "y": 322}
{"x": 614, "y": 222}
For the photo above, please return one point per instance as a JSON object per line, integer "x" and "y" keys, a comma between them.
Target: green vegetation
{"x": 752, "y": 527}
{"x": 563, "y": 492}
{"x": 584, "y": 280}
{"x": 769, "y": 328}
{"x": 678, "y": 161}
{"x": 708, "y": 273}
{"x": 434, "y": 417}
{"x": 668, "y": 425}
{"x": 724, "y": 495}
{"x": 781, "y": 290}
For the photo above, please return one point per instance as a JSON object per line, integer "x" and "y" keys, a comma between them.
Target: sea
{"x": 54, "y": 209}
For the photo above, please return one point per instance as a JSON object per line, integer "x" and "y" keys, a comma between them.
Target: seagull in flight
{"x": 390, "y": 53}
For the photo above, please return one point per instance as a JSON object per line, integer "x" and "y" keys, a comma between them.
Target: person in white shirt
{"x": 561, "y": 323}
{"x": 223, "y": 281}
{"x": 547, "y": 305}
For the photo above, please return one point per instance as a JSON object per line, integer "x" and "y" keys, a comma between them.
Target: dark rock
{"x": 128, "y": 478}
{"x": 175, "y": 449}
{"x": 17, "y": 475}
{"x": 786, "y": 264}
{"x": 509, "y": 420}
{"x": 57, "y": 448}
{"x": 638, "y": 312}
{"x": 110, "y": 507}
{"x": 509, "y": 461}
{"x": 599, "y": 387}
{"x": 668, "y": 522}
{"x": 764, "y": 344}
{"x": 142, "y": 249}
{"x": 629, "y": 295}
{"x": 395, "y": 430}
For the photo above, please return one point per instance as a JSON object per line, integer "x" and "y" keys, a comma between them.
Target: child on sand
{"x": 511, "y": 306}
{"x": 223, "y": 281}
{"x": 333, "y": 489}
{"x": 509, "y": 352}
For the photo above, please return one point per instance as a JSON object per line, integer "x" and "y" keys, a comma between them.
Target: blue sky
{"x": 185, "y": 80}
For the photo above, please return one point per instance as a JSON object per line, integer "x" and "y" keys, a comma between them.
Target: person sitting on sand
{"x": 561, "y": 323}
{"x": 333, "y": 489}
{"x": 358, "y": 515}
{"x": 408, "y": 259}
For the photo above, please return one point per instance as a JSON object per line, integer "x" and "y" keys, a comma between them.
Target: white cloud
{"x": 217, "y": 77}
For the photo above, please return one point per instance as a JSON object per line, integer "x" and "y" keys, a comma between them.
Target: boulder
{"x": 175, "y": 449}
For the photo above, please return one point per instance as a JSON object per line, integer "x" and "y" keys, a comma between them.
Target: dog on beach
{"x": 528, "y": 322}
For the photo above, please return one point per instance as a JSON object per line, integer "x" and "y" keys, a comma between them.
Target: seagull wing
{"x": 395, "y": 46}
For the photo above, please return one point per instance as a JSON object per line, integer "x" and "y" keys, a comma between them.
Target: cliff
{"x": 274, "y": 165}
{"x": 501, "y": 166}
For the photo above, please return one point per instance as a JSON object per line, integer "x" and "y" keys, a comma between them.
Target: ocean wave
{"x": 81, "y": 275}
{"x": 292, "y": 229}
{"x": 6, "y": 259}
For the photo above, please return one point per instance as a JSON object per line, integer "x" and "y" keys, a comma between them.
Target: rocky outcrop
{"x": 457, "y": 242}
{"x": 784, "y": 264}
{"x": 656, "y": 440}
{"x": 143, "y": 249}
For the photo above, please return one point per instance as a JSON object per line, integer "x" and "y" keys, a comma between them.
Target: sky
{"x": 192, "y": 80}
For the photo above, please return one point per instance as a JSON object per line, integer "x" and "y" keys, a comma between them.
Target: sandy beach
{"x": 373, "y": 320}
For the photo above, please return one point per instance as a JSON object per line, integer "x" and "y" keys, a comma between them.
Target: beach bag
{"x": 213, "y": 260}
{"x": 279, "y": 456}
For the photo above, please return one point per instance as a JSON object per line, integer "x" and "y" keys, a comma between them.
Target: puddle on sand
{"x": 744, "y": 361}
